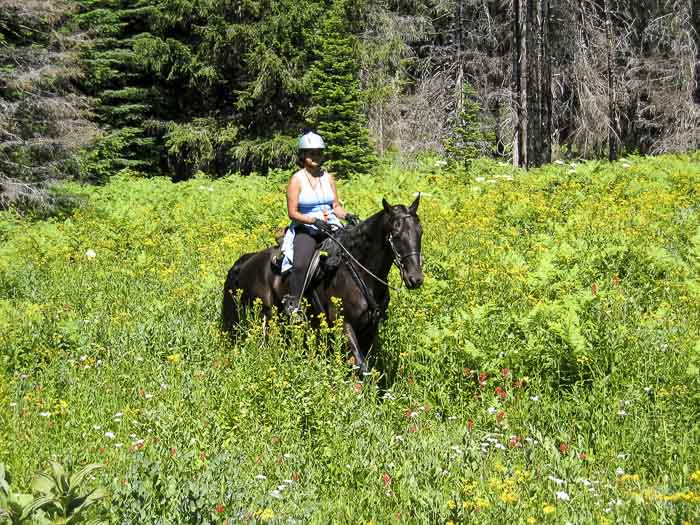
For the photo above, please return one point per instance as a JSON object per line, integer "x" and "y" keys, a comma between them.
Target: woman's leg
{"x": 304, "y": 246}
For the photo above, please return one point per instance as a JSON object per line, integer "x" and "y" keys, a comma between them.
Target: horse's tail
{"x": 230, "y": 309}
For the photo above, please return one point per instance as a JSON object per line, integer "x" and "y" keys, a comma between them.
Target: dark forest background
{"x": 171, "y": 87}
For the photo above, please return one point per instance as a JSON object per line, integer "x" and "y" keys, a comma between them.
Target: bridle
{"x": 398, "y": 257}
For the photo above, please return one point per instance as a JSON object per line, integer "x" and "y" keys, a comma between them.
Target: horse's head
{"x": 404, "y": 233}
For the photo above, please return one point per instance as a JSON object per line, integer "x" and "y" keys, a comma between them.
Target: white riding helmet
{"x": 311, "y": 141}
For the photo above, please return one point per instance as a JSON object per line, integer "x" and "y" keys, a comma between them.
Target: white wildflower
{"x": 557, "y": 481}
{"x": 109, "y": 435}
{"x": 562, "y": 495}
{"x": 620, "y": 471}
{"x": 535, "y": 398}
{"x": 44, "y": 414}
{"x": 261, "y": 477}
{"x": 90, "y": 254}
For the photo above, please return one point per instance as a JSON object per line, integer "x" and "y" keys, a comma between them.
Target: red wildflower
{"x": 358, "y": 387}
{"x": 594, "y": 289}
{"x": 412, "y": 429}
{"x": 583, "y": 456}
{"x": 296, "y": 476}
{"x": 514, "y": 442}
{"x": 470, "y": 425}
{"x": 518, "y": 383}
{"x": 499, "y": 417}
{"x": 502, "y": 394}
{"x": 219, "y": 508}
{"x": 102, "y": 450}
{"x": 482, "y": 377}
{"x": 173, "y": 451}
{"x": 386, "y": 479}
{"x": 505, "y": 372}
{"x": 410, "y": 413}
{"x": 563, "y": 447}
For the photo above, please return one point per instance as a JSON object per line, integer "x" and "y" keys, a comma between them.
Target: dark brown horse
{"x": 391, "y": 236}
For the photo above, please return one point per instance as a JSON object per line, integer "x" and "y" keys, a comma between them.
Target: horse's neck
{"x": 373, "y": 252}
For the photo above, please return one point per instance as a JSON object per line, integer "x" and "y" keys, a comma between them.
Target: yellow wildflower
{"x": 482, "y": 503}
{"x": 531, "y": 520}
{"x": 548, "y": 509}
{"x": 695, "y": 476}
{"x": 267, "y": 514}
{"x": 451, "y": 504}
{"x": 628, "y": 477}
{"x": 174, "y": 359}
{"x": 508, "y": 497}
{"x": 61, "y": 407}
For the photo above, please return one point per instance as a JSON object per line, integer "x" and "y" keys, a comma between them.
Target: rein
{"x": 398, "y": 260}
{"x": 358, "y": 263}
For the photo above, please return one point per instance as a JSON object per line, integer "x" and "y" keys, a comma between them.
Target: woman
{"x": 314, "y": 208}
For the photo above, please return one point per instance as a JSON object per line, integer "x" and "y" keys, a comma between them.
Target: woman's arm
{"x": 293, "y": 191}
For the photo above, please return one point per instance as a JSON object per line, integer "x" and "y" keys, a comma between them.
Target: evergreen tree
{"x": 123, "y": 93}
{"x": 336, "y": 111}
{"x": 468, "y": 141}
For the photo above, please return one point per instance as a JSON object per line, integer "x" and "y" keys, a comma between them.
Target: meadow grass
{"x": 546, "y": 372}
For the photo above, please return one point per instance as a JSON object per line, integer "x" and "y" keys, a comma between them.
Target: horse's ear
{"x": 387, "y": 206}
{"x": 413, "y": 208}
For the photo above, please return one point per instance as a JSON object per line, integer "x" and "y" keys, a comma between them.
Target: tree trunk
{"x": 612, "y": 96}
{"x": 518, "y": 150}
{"x": 531, "y": 85}
{"x": 695, "y": 18}
{"x": 532, "y": 77}
{"x": 545, "y": 84}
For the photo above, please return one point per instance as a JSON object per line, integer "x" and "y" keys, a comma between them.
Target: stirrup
{"x": 290, "y": 305}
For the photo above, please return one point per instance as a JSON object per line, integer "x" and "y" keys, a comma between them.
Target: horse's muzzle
{"x": 414, "y": 280}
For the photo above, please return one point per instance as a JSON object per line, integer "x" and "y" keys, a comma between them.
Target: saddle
{"x": 325, "y": 260}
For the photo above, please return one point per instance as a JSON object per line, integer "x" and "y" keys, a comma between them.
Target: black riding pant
{"x": 305, "y": 242}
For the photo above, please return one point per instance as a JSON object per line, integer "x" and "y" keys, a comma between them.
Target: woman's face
{"x": 313, "y": 158}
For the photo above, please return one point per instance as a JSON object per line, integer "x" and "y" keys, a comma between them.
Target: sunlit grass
{"x": 547, "y": 371}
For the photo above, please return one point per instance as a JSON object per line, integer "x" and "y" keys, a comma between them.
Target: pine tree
{"x": 120, "y": 86}
{"x": 336, "y": 111}
{"x": 467, "y": 141}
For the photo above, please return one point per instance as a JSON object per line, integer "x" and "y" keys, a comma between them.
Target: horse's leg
{"x": 355, "y": 347}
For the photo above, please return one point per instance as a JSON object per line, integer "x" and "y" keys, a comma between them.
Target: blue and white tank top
{"x": 316, "y": 202}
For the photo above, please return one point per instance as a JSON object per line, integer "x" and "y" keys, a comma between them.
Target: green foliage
{"x": 336, "y": 111}
{"x": 118, "y": 82}
{"x": 467, "y": 141}
{"x": 59, "y": 498}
